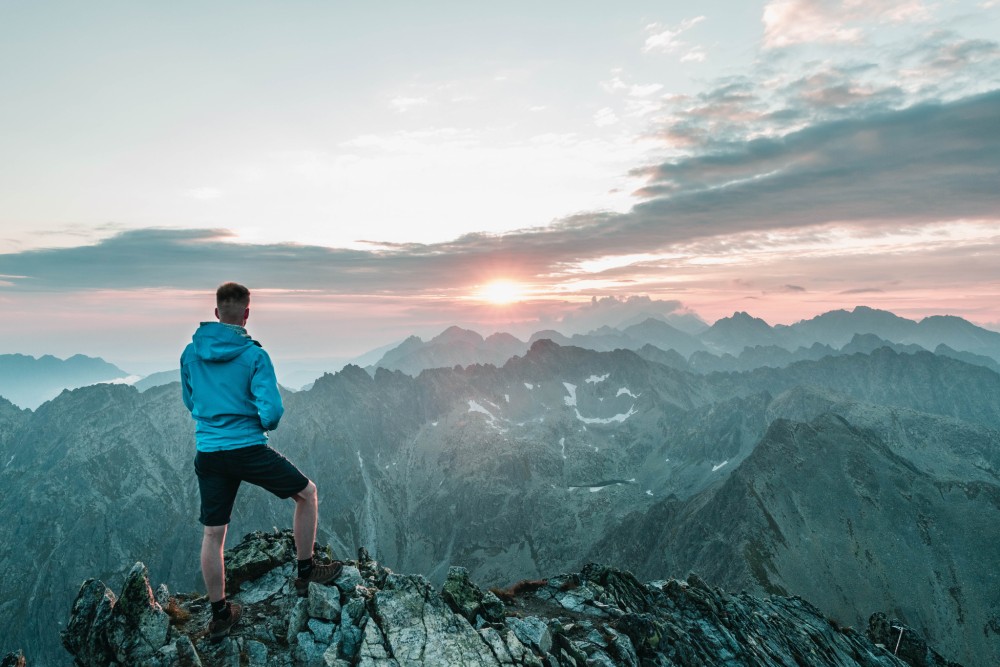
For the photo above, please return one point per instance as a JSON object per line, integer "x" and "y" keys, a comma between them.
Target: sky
{"x": 375, "y": 170}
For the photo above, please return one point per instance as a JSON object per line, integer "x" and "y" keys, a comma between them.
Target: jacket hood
{"x": 215, "y": 341}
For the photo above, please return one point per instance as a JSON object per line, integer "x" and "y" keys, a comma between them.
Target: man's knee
{"x": 307, "y": 494}
{"x": 215, "y": 533}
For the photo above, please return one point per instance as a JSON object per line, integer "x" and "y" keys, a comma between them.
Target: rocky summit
{"x": 598, "y": 617}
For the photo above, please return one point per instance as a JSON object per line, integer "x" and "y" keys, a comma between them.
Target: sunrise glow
{"x": 502, "y": 292}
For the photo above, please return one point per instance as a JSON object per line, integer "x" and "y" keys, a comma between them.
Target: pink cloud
{"x": 790, "y": 22}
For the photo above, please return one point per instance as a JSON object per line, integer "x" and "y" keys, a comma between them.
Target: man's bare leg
{"x": 213, "y": 568}
{"x": 304, "y": 522}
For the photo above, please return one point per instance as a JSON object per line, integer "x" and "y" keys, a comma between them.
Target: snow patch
{"x": 571, "y": 399}
{"x": 714, "y": 468}
{"x": 625, "y": 391}
{"x": 649, "y": 492}
{"x": 506, "y": 397}
{"x": 562, "y": 443}
{"x": 434, "y": 423}
{"x": 595, "y": 489}
{"x": 129, "y": 380}
{"x": 475, "y": 407}
{"x": 571, "y": 402}
{"x": 529, "y": 386}
{"x": 12, "y": 460}
{"x": 594, "y": 379}
{"x": 361, "y": 461}
{"x": 620, "y": 417}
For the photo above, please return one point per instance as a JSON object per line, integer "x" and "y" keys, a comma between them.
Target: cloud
{"x": 204, "y": 193}
{"x": 792, "y": 22}
{"x": 664, "y": 39}
{"x": 946, "y": 53}
{"x": 615, "y": 310}
{"x": 897, "y": 171}
{"x": 605, "y": 117}
{"x": 402, "y": 104}
{"x": 925, "y": 162}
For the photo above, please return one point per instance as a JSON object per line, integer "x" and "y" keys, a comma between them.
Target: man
{"x": 228, "y": 384}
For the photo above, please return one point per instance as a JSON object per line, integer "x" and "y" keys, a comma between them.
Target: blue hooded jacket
{"x": 228, "y": 384}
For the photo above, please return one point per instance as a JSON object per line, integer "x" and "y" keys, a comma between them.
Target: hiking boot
{"x": 219, "y": 629}
{"x": 322, "y": 573}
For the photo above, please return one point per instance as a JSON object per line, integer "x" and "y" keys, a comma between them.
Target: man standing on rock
{"x": 228, "y": 384}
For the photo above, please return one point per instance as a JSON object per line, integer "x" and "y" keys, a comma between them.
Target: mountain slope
{"x": 853, "y": 518}
{"x": 921, "y": 381}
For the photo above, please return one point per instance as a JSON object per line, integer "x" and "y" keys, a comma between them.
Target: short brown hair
{"x": 232, "y": 299}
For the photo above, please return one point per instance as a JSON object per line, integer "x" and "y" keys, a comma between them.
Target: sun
{"x": 502, "y": 292}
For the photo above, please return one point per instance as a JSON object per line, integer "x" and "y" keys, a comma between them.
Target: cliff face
{"x": 371, "y": 616}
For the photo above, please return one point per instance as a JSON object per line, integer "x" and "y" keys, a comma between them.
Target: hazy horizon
{"x": 579, "y": 319}
{"x": 376, "y": 172}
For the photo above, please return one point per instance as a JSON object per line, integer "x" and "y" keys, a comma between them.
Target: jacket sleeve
{"x": 264, "y": 388}
{"x": 186, "y": 386}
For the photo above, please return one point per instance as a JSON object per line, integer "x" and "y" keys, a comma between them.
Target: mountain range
{"x": 862, "y": 481}
{"x": 28, "y": 381}
{"x": 737, "y": 343}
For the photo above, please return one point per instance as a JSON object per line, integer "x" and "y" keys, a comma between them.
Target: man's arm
{"x": 264, "y": 387}
{"x": 186, "y": 387}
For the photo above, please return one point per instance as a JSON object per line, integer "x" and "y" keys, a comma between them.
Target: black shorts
{"x": 220, "y": 474}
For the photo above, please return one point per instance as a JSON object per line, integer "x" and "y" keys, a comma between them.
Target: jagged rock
{"x": 599, "y": 617}
{"x": 13, "y": 660}
{"x": 324, "y": 602}
{"x": 532, "y": 632}
{"x": 421, "y": 629}
{"x": 84, "y": 636}
{"x": 186, "y": 654}
{"x": 297, "y": 619}
{"x": 257, "y": 554}
{"x": 465, "y": 598}
{"x": 904, "y": 642}
{"x": 350, "y": 578}
{"x": 350, "y": 633}
{"x": 138, "y": 627}
{"x": 256, "y": 654}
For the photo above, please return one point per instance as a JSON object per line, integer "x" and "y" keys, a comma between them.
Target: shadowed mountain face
{"x": 900, "y": 511}
{"x": 559, "y": 456}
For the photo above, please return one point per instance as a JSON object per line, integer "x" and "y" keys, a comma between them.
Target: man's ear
{"x": 246, "y": 315}
{"x": 217, "y": 314}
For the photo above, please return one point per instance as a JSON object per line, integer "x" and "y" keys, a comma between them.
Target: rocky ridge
{"x": 598, "y": 617}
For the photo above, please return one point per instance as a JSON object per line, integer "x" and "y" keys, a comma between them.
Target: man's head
{"x": 232, "y": 303}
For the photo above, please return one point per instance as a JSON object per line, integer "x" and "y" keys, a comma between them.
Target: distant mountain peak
{"x": 456, "y": 334}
